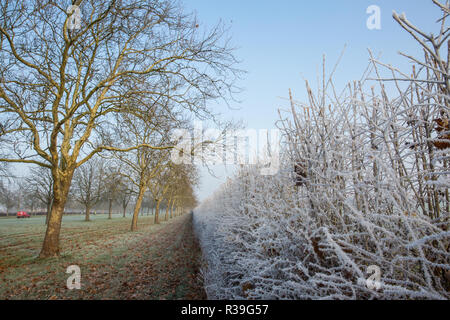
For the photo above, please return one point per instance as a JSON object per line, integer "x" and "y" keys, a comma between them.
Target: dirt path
{"x": 167, "y": 265}
{"x": 159, "y": 264}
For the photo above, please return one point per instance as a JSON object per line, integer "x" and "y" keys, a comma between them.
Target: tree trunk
{"x": 110, "y": 209}
{"x": 124, "y": 212}
{"x": 87, "y": 213}
{"x": 50, "y": 247}
{"x": 49, "y": 208}
{"x": 175, "y": 207}
{"x": 137, "y": 208}
{"x": 157, "y": 212}
{"x": 167, "y": 211}
{"x": 172, "y": 203}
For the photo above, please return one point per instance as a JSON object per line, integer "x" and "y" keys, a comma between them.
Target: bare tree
{"x": 143, "y": 164}
{"x": 40, "y": 187}
{"x": 8, "y": 197}
{"x": 114, "y": 185}
{"x": 183, "y": 179}
{"x": 3, "y": 165}
{"x": 60, "y": 85}
{"x": 88, "y": 185}
{"x": 125, "y": 197}
{"x": 159, "y": 186}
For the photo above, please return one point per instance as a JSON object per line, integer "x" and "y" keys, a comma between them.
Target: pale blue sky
{"x": 282, "y": 42}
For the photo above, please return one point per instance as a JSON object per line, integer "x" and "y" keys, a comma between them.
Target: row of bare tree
{"x": 115, "y": 182}
{"x": 98, "y": 185}
{"x": 111, "y": 89}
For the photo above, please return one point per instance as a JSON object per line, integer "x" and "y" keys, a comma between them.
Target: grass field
{"x": 157, "y": 262}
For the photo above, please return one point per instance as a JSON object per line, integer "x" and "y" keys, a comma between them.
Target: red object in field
{"x": 23, "y": 214}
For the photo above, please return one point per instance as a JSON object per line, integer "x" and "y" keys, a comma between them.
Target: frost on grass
{"x": 363, "y": 182}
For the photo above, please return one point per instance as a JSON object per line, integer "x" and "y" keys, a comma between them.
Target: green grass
{"x": 107, "y": 252}
{"x": 21, "y": 239}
